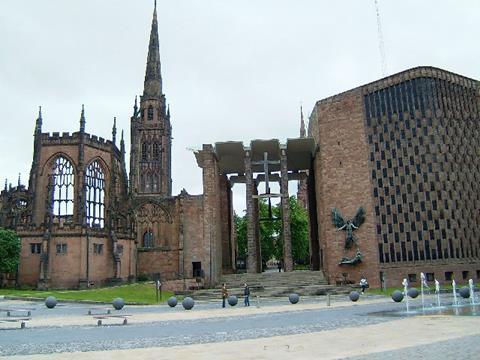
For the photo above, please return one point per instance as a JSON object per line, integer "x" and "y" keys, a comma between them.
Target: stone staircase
{"x": 273, "y": 284}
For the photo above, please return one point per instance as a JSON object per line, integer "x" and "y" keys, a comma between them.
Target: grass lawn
{"x": 134, "y": 293}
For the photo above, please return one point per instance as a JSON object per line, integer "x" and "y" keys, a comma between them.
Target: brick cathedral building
{"x": 404, "y": 148}
{"x": 83, "y": 222}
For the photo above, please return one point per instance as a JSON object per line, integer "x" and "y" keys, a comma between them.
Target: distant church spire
{"x": 153, "y": 78}
{"x": 82, "y": 119}
{"x": 19, "y": 179}
{"x": 302, "y": 124}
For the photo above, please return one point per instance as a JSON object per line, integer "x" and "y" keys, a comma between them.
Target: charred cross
{"x": 268, "y": 195}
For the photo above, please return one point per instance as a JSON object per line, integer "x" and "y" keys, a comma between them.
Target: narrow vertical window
{"x": 148, "y": 239}
{"x": 156, "y": 151}
{"x": 144, "y": 151}
{"x": 150, "y": 113}
{"x": 95, "y": 195}
{"x": 63, "y": 188}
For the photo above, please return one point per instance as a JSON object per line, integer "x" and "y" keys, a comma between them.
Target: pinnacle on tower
{"x": 135, "y": 107}
{"x": 114, "y": 130}
{"x": 82, "y": 119}
{"x": 302, "y": 124}
{"x": 38, "y": 122}
{"x": 153, "y": 78}
{"x": 122, "y": 145}
{"x": 19, "y": 179}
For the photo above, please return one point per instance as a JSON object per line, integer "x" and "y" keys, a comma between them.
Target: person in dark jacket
{"x": 363, "y": 283}
{"x": 246, "y": 294}
{"x": 224, "y": 294}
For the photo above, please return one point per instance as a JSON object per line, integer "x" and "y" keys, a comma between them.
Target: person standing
{"x": 224, "y": 294}
{"x": 363, "y": 283}
{"x": 246, "y": 294}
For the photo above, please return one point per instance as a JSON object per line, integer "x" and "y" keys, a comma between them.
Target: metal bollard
{"x": 328, "y": 299}
{"x": 258, "y": 301}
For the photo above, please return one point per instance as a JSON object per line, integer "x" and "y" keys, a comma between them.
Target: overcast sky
{"x": 232, "y": 70}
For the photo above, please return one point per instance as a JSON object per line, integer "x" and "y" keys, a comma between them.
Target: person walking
{"x": 280, "y": 265}
{"x": 224, "y": 294}
{"x": 246, "y": 294}
{"x": 363, "y": 283}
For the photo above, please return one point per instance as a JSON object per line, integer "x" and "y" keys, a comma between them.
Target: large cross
{"x": 268, "y": 195}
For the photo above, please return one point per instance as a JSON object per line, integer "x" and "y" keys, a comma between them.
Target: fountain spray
{"x": 405, "y": 291}
{"x": 423, "y": 282}
{"x": 472, "y": 291}
{"x": 454, "y": 285}
{"x": 437, "y": 291}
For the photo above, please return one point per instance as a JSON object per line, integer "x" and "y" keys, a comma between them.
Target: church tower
{"x": 151, "y": 132}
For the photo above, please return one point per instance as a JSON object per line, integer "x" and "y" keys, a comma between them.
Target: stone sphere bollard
{"x": 397, "y": 296}
{"x": 188, "y": 303}
{"x": 354, "y": 296}
{"x": 232, "y": 300}
{"x": 413, "y": 293}
{"x": 118, "y": 303}
{"x": 50, "y": 302}
{"x": 172, "y": 301}
{"x": 464, "y": 292}
{"x": 294, "y": 298}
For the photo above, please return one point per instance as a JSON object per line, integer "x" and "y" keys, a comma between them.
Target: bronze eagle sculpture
{"x": 348, "y": 225}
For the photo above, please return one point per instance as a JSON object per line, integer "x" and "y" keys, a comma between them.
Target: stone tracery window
{"x": 148, "y": 239}
{"x": 63, "y": 187}
{"x": 95, "y": 195}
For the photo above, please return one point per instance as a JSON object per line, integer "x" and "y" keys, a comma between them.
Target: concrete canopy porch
{"x": 263, "y": 161}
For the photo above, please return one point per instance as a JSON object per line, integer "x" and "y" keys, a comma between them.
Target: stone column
{"x": 287, "y": 238}
{"x": 256, "y": 224}
{"x": 252, "y": 256}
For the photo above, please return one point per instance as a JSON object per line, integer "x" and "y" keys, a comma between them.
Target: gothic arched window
{"x": 148, "y": 239}
{"x": 154, "y": 183}
{"x": 156, "y": 151}
{"x": 95, "y": 195}
{"x": 63, "y": 187}
{"x": 144, "y": 151}
{"x": 150, "y": 113}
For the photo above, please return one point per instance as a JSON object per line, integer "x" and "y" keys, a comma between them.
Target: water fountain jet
{"x": 405, "y": 289}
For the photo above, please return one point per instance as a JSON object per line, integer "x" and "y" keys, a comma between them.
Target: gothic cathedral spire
{"x": 151, "y": 131}
{"x": 153, "y": 78}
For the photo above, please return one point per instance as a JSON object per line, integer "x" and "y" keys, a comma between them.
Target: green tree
{"x": 271, "y": 232}
{"x": 9, "y": 251}
{"x": 299, "y": 231}
{"x": 241, "y": 230}
{"x": 268, "y": 231}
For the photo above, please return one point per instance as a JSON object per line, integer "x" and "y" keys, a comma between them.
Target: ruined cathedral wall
{"x": 194, "y": 246}
{"x": 69, "y": 268}
{"x": 342, "y": 177}
{"x": 160, "y": 253}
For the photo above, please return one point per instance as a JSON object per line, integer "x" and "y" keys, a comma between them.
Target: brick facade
{"x": 405, "y": 148}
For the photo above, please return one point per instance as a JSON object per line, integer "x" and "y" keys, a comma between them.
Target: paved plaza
{"x": 275, "y": 329}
